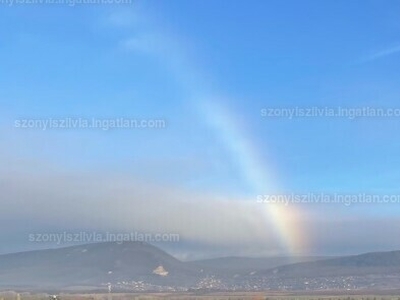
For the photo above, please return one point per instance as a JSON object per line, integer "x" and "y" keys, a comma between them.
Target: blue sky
{"x": 207, "y": 68}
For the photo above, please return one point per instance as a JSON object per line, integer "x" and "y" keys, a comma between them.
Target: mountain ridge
{"x": 140, "y": 266}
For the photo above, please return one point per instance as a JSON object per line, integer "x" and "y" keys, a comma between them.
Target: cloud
{"x": 68, "y": 201}
{"x": 38, "y": 198}
{"x": 382, "y": 53}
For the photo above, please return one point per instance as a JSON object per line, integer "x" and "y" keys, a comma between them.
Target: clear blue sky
{"x": 207, "y": 68}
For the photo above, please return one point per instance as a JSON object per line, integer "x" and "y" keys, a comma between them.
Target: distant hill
{"x": 241, "y": 265}
{"x": 138, "y": 266}
{"x": 94, "y": 264}
{"x": 369, "y": 263}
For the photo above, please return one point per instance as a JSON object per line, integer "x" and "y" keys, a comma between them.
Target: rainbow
{"x": 285, "y": 220}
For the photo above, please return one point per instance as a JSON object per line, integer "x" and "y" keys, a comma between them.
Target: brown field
{"x": 388, "y": 295}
